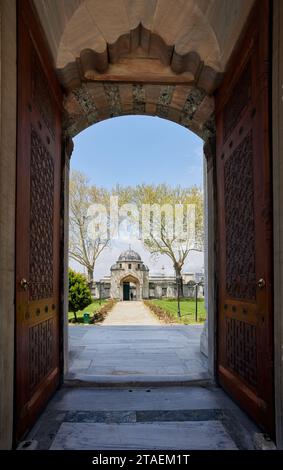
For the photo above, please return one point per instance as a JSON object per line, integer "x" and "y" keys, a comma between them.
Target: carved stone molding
{"x": 93, "y": 102}
{"x": 142, "y": 47}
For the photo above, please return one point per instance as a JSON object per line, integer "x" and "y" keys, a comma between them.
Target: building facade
{"x": 130, "y": 279}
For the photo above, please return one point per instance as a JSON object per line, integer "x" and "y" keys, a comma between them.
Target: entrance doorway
{"x": 245, "y": 334}
{"x": 129, "y": 291}
{"x": 130, "y": 288}
{"x": 146, "y": 338}
{"x": 126, "y": 291}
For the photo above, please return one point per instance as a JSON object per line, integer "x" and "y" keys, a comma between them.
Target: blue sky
{"x": 130, "y": 150}
{"x": 137, "y": 149}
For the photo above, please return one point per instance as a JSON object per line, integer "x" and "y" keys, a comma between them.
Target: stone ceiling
{"x": 156, "y": 57}
{"x": 208, "y": 28}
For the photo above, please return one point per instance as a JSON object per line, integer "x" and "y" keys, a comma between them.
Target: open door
{"x": 245, "y": 336}
{"x": 126, "y": 291}
{"x": 37, "y": 223}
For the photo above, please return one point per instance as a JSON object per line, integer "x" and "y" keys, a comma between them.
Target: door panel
{"x": 37, "y": 223}
{"x": 126, "y": 291}
{"x": 245, "y": 350}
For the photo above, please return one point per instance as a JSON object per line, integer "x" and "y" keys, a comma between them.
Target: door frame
{"x": 8, "y": 138}
{"x": 7, "y": 186}
{"x": 29, "y": 314}
{"x": 252, "y": 309}
{"x": 277, "y": 162}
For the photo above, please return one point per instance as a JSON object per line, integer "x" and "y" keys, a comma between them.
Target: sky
{"x": 131, "y": 150}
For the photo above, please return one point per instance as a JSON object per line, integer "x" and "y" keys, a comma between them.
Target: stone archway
{"x": 127, "y": 292}
{"x": 138, "y": 57}
{"x": 137, "y": 67}
{"x": 129, "y": 60}
{"x": 189, "y": 63}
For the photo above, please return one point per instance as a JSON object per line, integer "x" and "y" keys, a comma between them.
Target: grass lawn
{"x": 91, "y": 308}
{"x": 187, "y": 308}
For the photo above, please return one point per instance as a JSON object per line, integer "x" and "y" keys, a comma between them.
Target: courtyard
{"x": 133, "y": 346}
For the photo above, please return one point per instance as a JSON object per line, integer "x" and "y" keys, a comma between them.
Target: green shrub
{"x": 79, "y": 292}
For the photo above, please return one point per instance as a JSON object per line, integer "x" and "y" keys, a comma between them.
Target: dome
{"x": 129, "y": 255}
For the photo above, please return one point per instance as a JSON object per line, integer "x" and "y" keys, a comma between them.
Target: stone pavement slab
{"x": 201, "y": 435}
{"x": 141, "y": 352}
{"x": 165, "y": 398}
{"x": 172, "y": 418}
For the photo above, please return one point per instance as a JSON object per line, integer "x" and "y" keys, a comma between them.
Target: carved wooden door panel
{"x": 37, "y": 224}
{"x": 245, "y": 352}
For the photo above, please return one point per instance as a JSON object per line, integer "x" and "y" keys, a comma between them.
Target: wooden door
{"x": 245, "y": 346}
{"x": 126, "y": 291}
{"x": 37, "y": 223}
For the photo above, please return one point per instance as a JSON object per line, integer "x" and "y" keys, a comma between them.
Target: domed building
{"x": 129, "y": 277}
{"x": 129, "y": 255}
{"x": 130, "y": 280}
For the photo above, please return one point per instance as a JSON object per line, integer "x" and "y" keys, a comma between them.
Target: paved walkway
{"x": 129, "y": 417}
{"x": 140, "y": 351}
{"x": 131, "y": 313}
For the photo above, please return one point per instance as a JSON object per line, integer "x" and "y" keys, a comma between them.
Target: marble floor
{"x": 142, "y": 418}
{"x": 136, "y": 353}
{"x": 139, "y": 393}
{"x": 202, "y": 435}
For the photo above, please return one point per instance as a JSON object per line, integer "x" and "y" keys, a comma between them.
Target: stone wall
{"x": 8, "y": 93}
{"x": 136, "y": 274}
{"x": 145, "y": 288}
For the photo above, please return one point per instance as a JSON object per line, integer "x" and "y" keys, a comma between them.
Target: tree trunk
{"x": 75, "y": 315}
{"x": 90, "y": 276}
{"x": 179, "y": 280}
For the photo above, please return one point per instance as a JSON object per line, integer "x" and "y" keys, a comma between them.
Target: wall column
{"x": 67, "y": 149}
{"x": 277, "y": 128}
{"x": 208, "y": 338}
{"x": 8, "y": 128}
{"x": 204, "y": 334}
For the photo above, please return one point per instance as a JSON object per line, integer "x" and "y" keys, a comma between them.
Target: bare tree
{"x": 165, "y": 241}
{"x": 83, "y": 248}
{"x": 86, "y": 250}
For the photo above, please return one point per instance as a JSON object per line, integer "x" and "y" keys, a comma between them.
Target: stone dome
{"x": 129, "y": 255}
